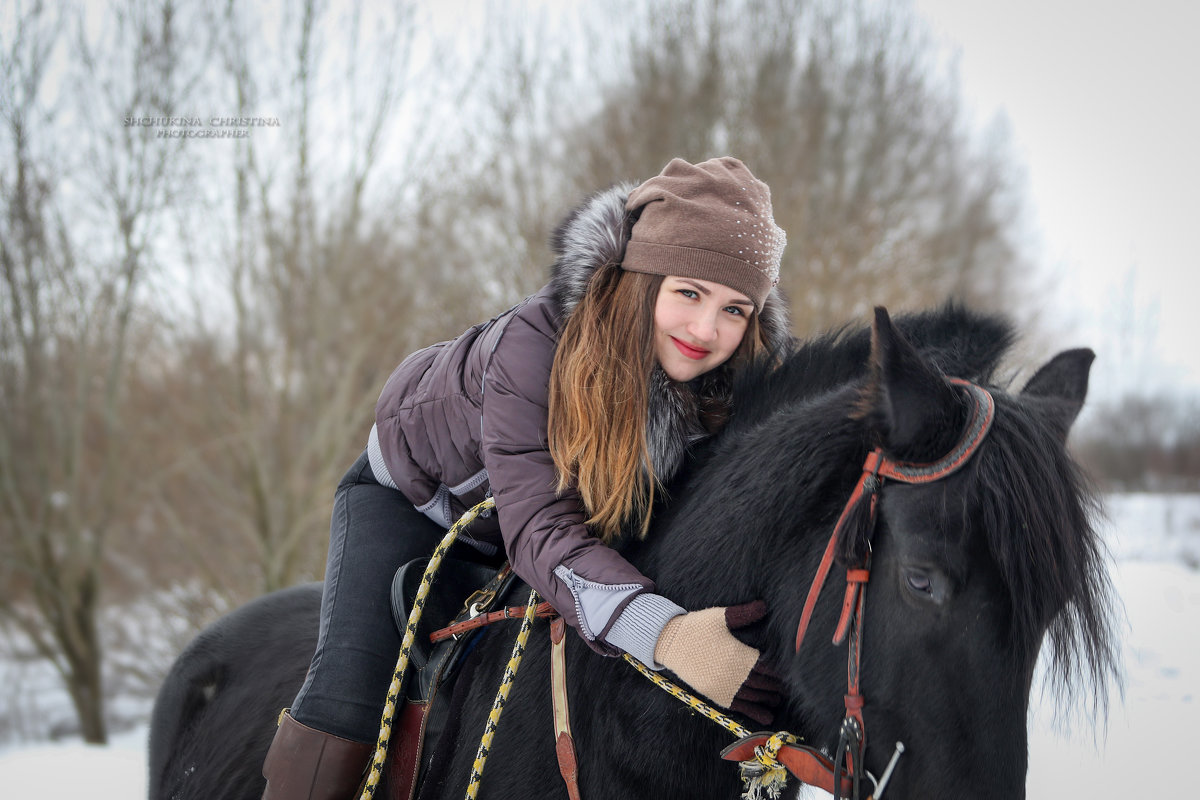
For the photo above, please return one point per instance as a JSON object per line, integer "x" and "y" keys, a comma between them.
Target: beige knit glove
{"x": 699, "y": 648}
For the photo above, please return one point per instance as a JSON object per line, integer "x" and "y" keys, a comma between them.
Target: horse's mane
{"x": 959, "y": 342}
{"x": 1038, "y": 510}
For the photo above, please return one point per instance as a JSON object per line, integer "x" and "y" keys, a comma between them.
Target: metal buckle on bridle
{"x": 849, "y": 751}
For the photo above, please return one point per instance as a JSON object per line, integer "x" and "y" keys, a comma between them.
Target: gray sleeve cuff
{"x": 378, "y": 465}
{"x": 636, "y": 630}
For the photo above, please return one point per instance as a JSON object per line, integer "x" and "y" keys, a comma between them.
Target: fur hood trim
{"x": 593, "y": 236}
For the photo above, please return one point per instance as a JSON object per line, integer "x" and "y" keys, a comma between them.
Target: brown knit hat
{"x": 711, "y": 221}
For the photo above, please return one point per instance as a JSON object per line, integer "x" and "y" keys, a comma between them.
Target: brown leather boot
{"x": 306, "y": 764}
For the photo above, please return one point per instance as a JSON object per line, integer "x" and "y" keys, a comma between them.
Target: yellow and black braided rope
{"x": 765, "y": 771}
{"x": 689, "y": 699}
{"x": 410, "y": 634}
{"x": 510, "y": 674}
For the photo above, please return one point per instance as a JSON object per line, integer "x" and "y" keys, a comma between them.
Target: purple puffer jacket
{"x": 468, "y": 416}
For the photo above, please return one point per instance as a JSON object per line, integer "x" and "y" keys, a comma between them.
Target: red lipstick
{"x": 694, "y": 353}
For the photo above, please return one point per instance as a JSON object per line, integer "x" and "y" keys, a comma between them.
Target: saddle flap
{"x": 454, "y": 583}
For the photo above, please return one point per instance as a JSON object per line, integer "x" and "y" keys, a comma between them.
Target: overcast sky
{"x": 1104, "y": 107}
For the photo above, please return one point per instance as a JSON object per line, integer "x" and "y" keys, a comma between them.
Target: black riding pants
{"x": 374, "y": 531}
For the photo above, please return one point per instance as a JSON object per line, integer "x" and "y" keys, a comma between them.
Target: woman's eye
{"x": 735, "y": 310}
{"x": 689, "y": 293}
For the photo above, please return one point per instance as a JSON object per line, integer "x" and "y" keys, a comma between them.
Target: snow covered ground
{"x": 1155, "y": 543}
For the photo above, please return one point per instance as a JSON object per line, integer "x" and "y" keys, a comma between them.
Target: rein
{"x": 529, "y": 613}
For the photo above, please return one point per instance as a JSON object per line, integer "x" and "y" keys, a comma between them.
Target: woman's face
{"x": 697, "y": 325}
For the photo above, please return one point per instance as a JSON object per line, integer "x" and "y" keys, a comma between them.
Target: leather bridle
{"x": 876, "y": 470}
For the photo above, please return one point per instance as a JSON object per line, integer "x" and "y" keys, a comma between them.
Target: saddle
{"x": 461, "y": 591}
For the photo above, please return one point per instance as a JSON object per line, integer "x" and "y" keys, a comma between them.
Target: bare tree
{"x": 75, "y": 251}
{"x": 328, "y": 273}
{"x": 1144, "y": 442}
{"x": 845, "y": 110}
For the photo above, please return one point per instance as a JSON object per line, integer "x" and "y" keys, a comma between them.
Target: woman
{"x": 571, "y": 409}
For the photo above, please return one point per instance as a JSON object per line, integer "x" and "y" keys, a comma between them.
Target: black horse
{"x": 969, "y": 574}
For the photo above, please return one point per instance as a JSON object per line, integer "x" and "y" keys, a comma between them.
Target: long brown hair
{"x": 600, "y": 397}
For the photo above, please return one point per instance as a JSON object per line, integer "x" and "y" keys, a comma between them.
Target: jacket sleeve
{"x": 595, "y": 589}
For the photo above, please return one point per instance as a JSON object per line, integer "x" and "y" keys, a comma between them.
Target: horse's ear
{"x": 912, "y": 406}
{"x": 1063, "y": 380}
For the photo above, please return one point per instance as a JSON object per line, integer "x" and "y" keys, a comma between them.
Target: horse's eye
{"x": 919, "y": 582}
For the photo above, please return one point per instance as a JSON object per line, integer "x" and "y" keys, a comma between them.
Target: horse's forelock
{"x": 954, "y": 340}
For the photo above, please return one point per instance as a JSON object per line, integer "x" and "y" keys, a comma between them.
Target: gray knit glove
{"x": 699, "y": 648}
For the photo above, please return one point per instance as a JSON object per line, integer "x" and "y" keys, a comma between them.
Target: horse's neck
{"x": 757, "y": 507}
